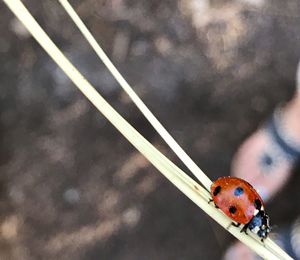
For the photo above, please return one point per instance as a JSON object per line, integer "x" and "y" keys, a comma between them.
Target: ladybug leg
{"x": 233, "y": 224}
{"x": 210, "y": 201}
{"x": 244, "y": 229}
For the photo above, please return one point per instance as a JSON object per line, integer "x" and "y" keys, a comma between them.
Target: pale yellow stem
{"x": 182, "y": 155}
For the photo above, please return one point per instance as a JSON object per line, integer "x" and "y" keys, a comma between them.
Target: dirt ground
{"x": 71, "y": 187}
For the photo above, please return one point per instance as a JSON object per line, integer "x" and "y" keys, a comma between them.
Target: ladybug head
{"x": 259, "y": 224}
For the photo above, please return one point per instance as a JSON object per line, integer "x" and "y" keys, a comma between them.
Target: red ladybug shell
{"x": 236, "y": 198}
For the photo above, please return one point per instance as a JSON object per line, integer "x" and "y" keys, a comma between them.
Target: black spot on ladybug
{"x": 257, "y": 204}
{"x": 232, "y": 209}
{"x": 238, "y": 191}
{"x": 217, "y": 190}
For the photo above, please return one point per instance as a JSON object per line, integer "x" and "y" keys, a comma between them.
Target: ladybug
{"x": 241, "y": 202}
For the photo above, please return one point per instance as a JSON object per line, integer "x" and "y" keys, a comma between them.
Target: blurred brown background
{"x": 71, "y": 186}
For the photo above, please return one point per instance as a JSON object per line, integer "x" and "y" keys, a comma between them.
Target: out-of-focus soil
{"x": 71, "y": 186}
